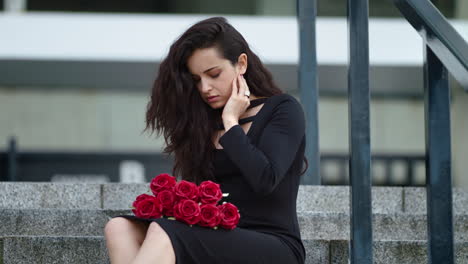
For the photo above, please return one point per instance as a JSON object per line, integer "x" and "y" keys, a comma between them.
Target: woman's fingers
{"x": 234, "y": 87}
{"x": 241, "y": 86}
{"x": 245, "y": 83}
{"x": 247, "y": 90}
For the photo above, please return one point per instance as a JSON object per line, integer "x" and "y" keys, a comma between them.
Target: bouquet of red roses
{"x": 186, "y": 202}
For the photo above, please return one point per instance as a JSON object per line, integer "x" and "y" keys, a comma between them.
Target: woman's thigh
{"x": 204, "y": 245}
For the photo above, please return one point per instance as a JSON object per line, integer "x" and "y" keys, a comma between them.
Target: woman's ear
{"x": 242, "y": 63}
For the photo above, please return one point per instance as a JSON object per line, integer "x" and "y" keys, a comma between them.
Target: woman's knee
{"x": 120, "y": 226}
{"x": 115, "y": 226}
{"x": 156, "y": 232}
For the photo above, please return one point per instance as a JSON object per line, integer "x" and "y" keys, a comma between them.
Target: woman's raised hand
{"x": 237, "y": 103}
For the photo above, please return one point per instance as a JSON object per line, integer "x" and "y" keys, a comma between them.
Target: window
{"x": 378, "y": 8}
{"x": 244, "y": 7}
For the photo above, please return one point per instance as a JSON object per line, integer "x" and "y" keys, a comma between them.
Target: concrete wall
{"x": 459, "y": 126}
{"x": 461, "y": 9}
{"x": 460, "y": 118}
{"x": 397, "y": 125}
{"x": 276, "y": 7}
{"x": 74, "y": 119}
{"x": 86, "y": 119}
{"x": 80, "y": 119}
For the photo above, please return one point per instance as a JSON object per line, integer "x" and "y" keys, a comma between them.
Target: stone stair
{"x": 63, "y": 222}
{"x": 92, "y": 249}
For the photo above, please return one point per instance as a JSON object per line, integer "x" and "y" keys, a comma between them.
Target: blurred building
{"x": 76, "y": 75}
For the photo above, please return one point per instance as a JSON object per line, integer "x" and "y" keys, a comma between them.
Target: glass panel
{"x": 145, "y": 6}
{"x": 378, "y": 8}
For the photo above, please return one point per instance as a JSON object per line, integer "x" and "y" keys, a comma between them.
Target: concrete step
{"x": 336, "y": 226}
{"x": 331, "y": 226}
{"x": 51, "y": 250}
{"x": 384, "y": 252}
{"x": 17, "y": 195}
{"x": 50, "y": 195}
{"x": 55, "y": 222}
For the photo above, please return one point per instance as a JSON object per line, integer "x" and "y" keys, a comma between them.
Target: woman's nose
{"x": 205, "y": 86}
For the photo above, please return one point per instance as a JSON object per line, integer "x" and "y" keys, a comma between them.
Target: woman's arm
{"x": 265, "y": 165}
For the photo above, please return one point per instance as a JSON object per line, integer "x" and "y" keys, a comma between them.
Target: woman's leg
{"x": 124, "y": 238}
{"x": 156, "y": 248}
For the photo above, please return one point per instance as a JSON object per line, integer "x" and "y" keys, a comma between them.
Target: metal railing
{"x": 444, "y": 49}
{"x": 359, "y": 102}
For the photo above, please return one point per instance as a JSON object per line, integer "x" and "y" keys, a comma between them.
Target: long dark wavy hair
{"x": 176, "y": 108}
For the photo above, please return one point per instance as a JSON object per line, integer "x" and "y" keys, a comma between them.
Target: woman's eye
{"x": 216, "y": 75}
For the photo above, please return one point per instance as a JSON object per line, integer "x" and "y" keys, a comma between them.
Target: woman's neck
{"x": 249, "y": 111}
{"x": 253, "y": 97}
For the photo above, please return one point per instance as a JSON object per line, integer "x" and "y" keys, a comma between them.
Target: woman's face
{"x": 213, "y": 75}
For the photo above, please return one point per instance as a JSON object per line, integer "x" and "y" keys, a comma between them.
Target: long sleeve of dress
{"x": 264, "y": 165}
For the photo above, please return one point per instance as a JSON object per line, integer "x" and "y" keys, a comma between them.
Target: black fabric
{"x": 253, "y": 103}
{"x": 257, "y": 102}
{"x": 260, "y": 170}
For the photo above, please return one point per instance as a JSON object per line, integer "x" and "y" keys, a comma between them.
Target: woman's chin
{"x": 216, "y": 105}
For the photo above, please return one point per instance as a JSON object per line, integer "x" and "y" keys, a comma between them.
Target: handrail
{"x": 444, "y": 50}
{"x": 439, "y": 35}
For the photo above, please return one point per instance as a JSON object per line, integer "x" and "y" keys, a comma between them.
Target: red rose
{"x": 210, "y": 192}
{"x": 187, "y": 211}
{"x": 229, "y": 216}
{"x": 139, "y": 198}
{"x": 162, "y": 182}
{"x": 210, "y": 215}
{"x": 147, "y": 206}
{"x": 186, "y": 190}
{"x": 166, "y": 199}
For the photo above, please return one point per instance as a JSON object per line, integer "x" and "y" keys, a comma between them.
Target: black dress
{"x": 260, "y": 170}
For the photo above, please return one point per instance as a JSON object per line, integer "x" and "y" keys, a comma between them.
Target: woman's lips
{"x": 212, "y": 98}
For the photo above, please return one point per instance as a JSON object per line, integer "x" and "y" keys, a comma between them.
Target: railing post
{"x": 308, "y": 86}
{"x": 359, "y": 133}
{"x": 438, "y": 160}
{"x": 12, "y": 160}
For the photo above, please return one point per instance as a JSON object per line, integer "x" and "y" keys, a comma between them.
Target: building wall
{"x": 81, "y": 119}
{"x": 333, "y": 8}
{"x": 459, "y": 126}
{"x": 46, "y": 119}
{"x": 461, "y": 9}
{"x": 88, "y": 119}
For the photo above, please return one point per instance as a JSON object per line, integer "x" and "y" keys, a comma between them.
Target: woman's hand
{"x": 237, "y": 103}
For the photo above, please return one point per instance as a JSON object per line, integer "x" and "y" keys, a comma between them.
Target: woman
{"x": 224, "y": 120}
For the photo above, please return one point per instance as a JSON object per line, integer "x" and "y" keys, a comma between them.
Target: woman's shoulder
{"x": 281, "y": 110}
{"x": 281, "y": 97}
{"x": 284, "y": 101}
